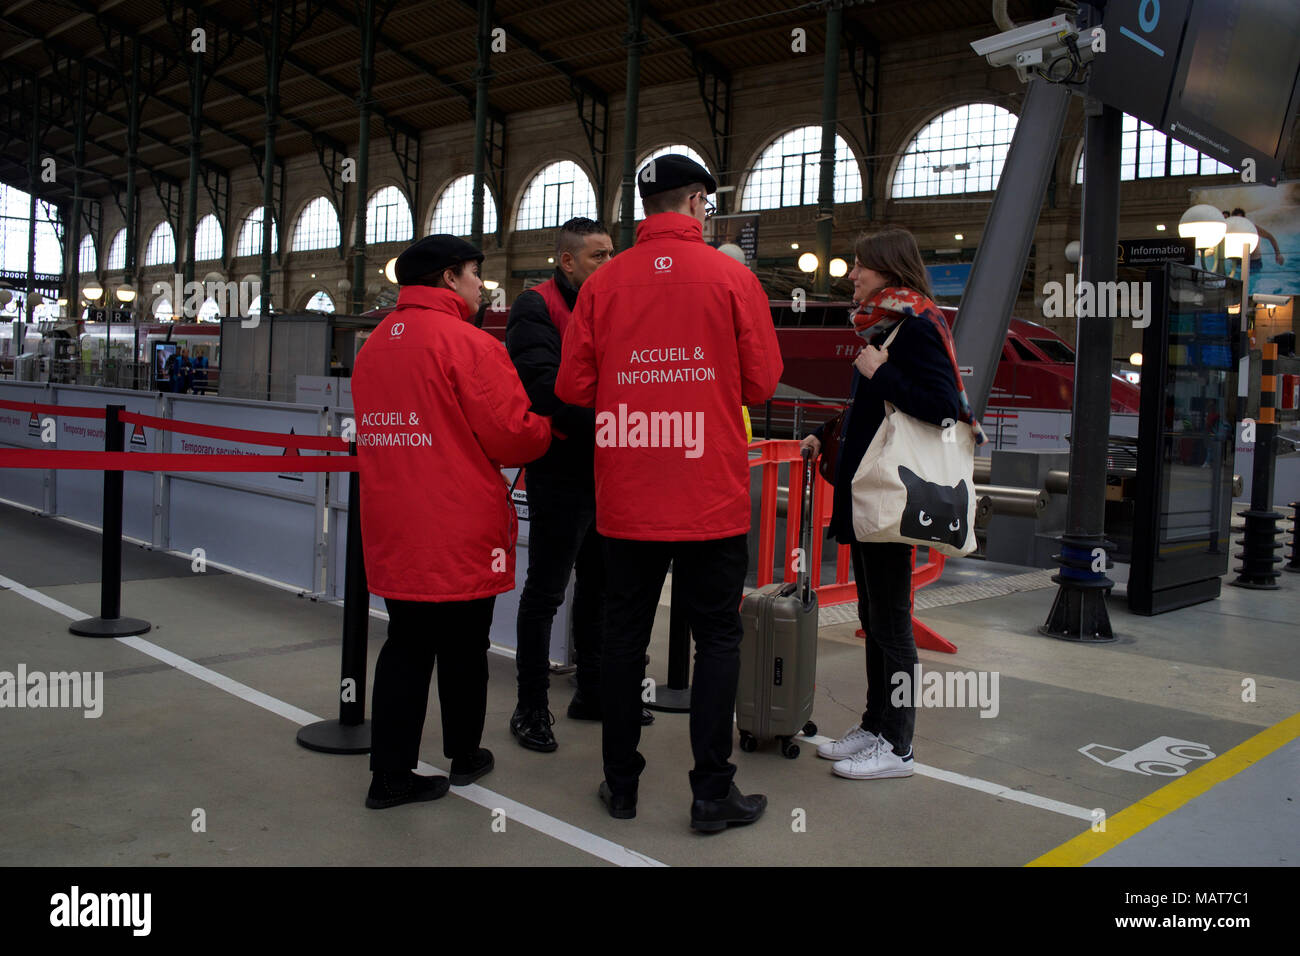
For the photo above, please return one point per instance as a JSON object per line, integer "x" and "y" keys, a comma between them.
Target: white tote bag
{"x": 916, "y": 484}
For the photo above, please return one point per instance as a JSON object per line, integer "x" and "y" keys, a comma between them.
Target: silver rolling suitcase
{"x": 778, "y": 656}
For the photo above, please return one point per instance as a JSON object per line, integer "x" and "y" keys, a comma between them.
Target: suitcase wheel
{"x": 810, "y": 729}
{"x": 748, "y": 742}
{"x": 789, "y": 749}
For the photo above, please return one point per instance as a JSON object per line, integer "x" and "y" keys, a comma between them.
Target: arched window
{"x": 86, "y": 260}
{"x": 638, "y": 207}
{"x": 558, "y": 193}
{"x": 317, "y": 227}
{"x": 250, "y": 235}
{"x": 16, "y": 232}
{"x": 117, "y": 251}
{"x": 162, "y": 310}
{"x": 388, "y": 217}
{"x": 959, "y": 151}
{"x": 161, "y": 250}
{"x": 1147, "y": 153}
{"x": 452, "y": 212}
{"x": 321, "y": 302}
{"x": 207, "y": 239}
{"x": 788, "y": 172}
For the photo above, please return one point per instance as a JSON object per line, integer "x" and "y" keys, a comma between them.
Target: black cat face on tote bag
{"x": 933, "y": 512}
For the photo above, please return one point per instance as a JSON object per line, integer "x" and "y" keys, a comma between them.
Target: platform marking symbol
{"x": 1162, "y": 757}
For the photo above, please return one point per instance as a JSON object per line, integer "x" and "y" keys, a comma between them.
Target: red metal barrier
{"x": 769, "y": 456}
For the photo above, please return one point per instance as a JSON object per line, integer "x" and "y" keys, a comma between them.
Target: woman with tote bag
{"x": 916, "y": 372}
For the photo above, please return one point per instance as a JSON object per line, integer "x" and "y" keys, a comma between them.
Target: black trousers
{"x": 455, "y": 634}
{"x": 883, "y": 574}
{"x": 708, "y": 580}
{"x": 562, "y": 540}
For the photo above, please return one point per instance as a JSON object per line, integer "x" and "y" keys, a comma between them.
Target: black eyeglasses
{"x": 709, "y": 208}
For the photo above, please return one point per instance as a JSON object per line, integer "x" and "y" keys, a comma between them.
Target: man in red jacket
{"x": 667, "y": 342}
{"x": 439, "y": 410}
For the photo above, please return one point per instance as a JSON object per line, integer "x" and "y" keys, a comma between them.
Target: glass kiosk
{"x": 1186, "y": 440}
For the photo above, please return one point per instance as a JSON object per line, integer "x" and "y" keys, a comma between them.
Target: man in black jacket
{"x": 561, "y": 488}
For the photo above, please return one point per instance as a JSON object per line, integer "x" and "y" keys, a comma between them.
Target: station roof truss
{"x": 64, "y": 59}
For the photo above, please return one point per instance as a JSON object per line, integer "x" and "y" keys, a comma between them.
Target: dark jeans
{"x": 708, "y": 578}
{"x": 455, "y": 633}
{"x": 883, "y": 573}
{"x": 562, "y": 538}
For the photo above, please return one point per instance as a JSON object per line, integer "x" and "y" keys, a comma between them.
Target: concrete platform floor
{"x": 200, "y": 715}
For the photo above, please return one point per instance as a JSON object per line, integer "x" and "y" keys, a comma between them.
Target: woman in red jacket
{"x": 439, "y": 410}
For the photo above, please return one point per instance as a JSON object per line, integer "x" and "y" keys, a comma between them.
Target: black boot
{"x": 735, "y": 808}
{"x": 465, "y": 770}
{"x": 393, "y": 788}
{"x": 532, "y": 727}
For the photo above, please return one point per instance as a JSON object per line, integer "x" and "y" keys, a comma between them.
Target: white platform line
{"x": 984, "y": 786}
{"x": 544, "y": 823}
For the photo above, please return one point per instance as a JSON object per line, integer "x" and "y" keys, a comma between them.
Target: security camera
{"x": 1028, "y": 47}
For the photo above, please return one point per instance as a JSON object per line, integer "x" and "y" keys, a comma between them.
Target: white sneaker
{"x": 875, "y": 763}
{"x": 855, "y": 741}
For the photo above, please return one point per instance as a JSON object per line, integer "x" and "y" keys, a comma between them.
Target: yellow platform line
{"x": 1089, "y": 845}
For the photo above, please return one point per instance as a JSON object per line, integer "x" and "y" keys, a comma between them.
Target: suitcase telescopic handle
{"x": 805, "y": 531}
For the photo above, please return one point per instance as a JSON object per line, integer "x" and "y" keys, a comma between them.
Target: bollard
{"x": 110, "y": 623}
{"x": 675, "y": 696}
{"x": 1294, "y": 563}
{"x": 1259, "y": 541}
{"x": 350, "y": 734}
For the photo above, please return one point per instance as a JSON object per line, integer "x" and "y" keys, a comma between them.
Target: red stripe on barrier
{"x": 67, "y": 411}
{"x": 273, "y": 439}
{"x": 158, "y": 461}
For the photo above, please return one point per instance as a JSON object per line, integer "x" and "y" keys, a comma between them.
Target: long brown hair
{"x": 893, "y": 253}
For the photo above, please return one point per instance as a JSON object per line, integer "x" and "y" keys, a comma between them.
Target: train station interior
{"x": 202, "y": 207}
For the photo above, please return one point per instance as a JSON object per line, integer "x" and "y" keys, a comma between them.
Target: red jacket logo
{"x": 663, "y": 263}
{"x": 397, "y": 329}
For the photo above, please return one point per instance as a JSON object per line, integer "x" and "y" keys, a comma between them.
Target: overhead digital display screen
{"x": 1241, "y": 68}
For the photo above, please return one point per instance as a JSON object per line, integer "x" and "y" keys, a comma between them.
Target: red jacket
{"x": 439, "y": 409}
{"x": 667, "y": 342}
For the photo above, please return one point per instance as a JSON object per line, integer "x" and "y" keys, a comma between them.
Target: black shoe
{"x": 532, "y": 727}
{"x": 622, "y": 806}
{"x": 582, "y": 709}
{"x": 735, "y": 808}
{"x": 465, "y": 770}
{"x": 393, "y": 789}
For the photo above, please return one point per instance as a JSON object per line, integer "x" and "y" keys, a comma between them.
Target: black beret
{"x": 671, "y": 171}
{"x": 431, "y": 255}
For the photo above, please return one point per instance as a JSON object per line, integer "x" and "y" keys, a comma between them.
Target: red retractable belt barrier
{"x": 275, "y": 439}
{"x": 773, "y": 454}
{"x": 160, "y": 461}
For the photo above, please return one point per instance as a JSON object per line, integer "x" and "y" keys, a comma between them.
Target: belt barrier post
{"x": 110, "y": 623}
{"x": 676, "y": 696}
{"x": 350, "y": 734}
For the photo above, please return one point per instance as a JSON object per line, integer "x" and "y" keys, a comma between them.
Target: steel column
{"x": 1079, "y": 612}
{"x": 196, "y": 146}
{"x": 482, "y": 78}
{"x": 33, "y": 177}
{"x": 635, "y": 40}
{"x": 268, "y": 156}
{"x": 366, "y": 74}
{"x": 826, "y": 187}
{"x": 1000, "y": 260}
